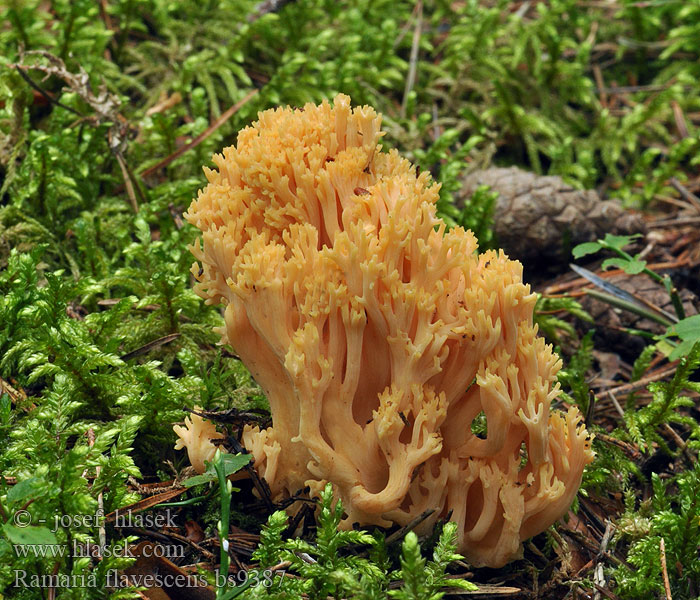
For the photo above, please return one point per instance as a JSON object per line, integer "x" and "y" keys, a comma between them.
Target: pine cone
{"x": 539, "y": 219}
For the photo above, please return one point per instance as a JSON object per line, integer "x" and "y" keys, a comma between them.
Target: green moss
{"x": 102, "y": 340}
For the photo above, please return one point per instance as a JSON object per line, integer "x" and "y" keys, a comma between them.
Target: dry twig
{"x": 667, "y": 583}
{"x": 104, "y": 105}
{"x": 202, "y": 136}
{"x": 685, "y": 193}
{"x": 413, "y": 65}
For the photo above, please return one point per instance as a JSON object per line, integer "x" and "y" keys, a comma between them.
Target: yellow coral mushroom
{"x": 196, "y": 436}
{"x": 379, "y": 336}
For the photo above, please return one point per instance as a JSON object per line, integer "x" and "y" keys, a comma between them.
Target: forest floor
{"x": 109, "y": 110}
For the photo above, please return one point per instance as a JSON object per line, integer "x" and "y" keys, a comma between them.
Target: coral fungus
{"x": 380, "y": 337}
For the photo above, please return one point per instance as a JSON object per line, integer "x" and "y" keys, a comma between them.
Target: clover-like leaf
{"x": 631, "y": 267}
{"x": 585, "y": 249}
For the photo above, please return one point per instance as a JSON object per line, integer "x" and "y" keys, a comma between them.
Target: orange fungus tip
{"x": 196, "y": 437}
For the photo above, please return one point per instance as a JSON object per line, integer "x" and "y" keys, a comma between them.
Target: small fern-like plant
{"x": 665, "y": 407}
{"x": 672, "y": 515}
{"x": 332, "y": 566}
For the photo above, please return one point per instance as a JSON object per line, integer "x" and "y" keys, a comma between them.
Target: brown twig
{"x": 166, "y": 339}
{"x": 631, "y": 89}
{"x": 642, "y": 383}
{"x": 52, "y": 589}
{"x": 608, "y": 594}
{"x": 15, "y": 395}
{"x": 680, "y": 442}
{"x": 144, "y": 504}
{"x": 236, "y": 417}
{"x": 128, "y": 183}
{"x": 166, "y": 103}
{"x": 616, "y": 404}
{"x": 405, "y": 29}
{"x": 397, "y": 535}
{"x": 675, "y": 222}
{"x": 591, "y": 545}
{"x": 598, "y": 75}
{"x": 628, "y": 449}
{"x": 598, "y": 571}
{"x": 202, "y": 136}
{"x": 662, "y": 556}
{"x": 176, "y": 215}
{"x": 413, "y": 64}
{"x": 685, "y": 193}
{"x": 44, "y": 94}
{"x": 185, "y": 540}
{"x": 680, "y": 119}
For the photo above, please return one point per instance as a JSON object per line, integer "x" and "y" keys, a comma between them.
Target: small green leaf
{"x": 26, "y": 488}
{"x": 688, "y": 328}
{"x": 199, "y": 479}
{"x": 586, "y": 248}
{"x": 234, "y": 462}
{"x": 29, "y": 535}
{"x": 681, "y": 350}
{"x": 231, "y": 464}
{"x": 632, "y": 267}
{"x": 618, "y": 242}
